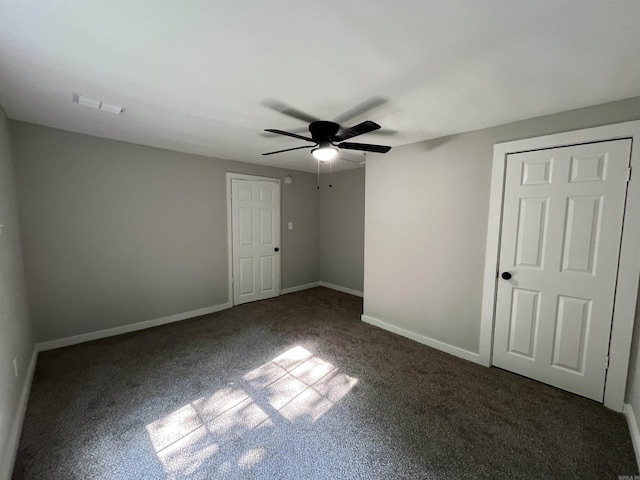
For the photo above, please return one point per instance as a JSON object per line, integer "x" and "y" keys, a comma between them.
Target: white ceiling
{"x": 196, "y": 76}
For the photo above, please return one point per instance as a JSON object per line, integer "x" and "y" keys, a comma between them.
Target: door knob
{"x": 276, "y": 249}
{"x": 506, "y": 275}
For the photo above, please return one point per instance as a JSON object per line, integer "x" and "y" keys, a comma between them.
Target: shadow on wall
{"x": 230, "y": 431}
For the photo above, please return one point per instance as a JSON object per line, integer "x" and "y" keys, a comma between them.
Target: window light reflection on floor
{"x": 295, "y": 387}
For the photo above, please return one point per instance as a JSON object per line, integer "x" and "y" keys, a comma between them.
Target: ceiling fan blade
{"x": 289, "y": 134}
{"x": 386, "y": 132}
{"x": 288, "y": 149}
{"x": 282, "y": 107}
{"x": 364, "y": 147}
{"x": 360, "y": 129}
{"x": 291, "y": 130}
{"x": 360, "y": 109}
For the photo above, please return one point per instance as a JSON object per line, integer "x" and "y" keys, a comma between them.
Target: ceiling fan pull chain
{"x": 330, "y": 174}
{"x": 318, "y": 175}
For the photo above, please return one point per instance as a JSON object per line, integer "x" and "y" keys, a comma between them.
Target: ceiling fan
{"x": 329, "y": 137}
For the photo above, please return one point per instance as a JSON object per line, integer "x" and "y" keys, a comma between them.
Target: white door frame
{"x": 241, "y": 176}
{"x": 629, "y": 263}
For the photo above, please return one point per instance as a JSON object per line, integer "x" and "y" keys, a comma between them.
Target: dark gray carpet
{"x": 298, "y": 387}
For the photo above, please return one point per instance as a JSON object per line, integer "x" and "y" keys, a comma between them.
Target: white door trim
{"x": 238, "y": 176}
{"x": 629, "y": 266}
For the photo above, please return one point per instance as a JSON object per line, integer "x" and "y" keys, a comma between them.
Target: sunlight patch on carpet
{"x": 295, "y": 387}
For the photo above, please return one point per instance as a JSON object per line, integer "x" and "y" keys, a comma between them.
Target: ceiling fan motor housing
{"x": 323, "y": 131}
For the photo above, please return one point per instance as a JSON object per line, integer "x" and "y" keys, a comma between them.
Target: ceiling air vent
{"x": 96, "y": 104}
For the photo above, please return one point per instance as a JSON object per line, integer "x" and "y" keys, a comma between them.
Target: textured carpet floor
{"x": 298, "y": 387}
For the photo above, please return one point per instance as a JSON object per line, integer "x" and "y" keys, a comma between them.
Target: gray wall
{"x": 342, "y": 228}
{"x": 426, "y": 223}
{"x": 16, "y": 338}
{"x": 116, "y": 233}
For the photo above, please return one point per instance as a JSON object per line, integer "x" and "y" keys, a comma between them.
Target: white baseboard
{"x": 350, "y": 291}
{"x": 6, "y": 468}
{"x": 633, "y": 430}
{"x": 306, "y": 286}
{"x": 437, "y": 344}
{"x": 299, "y": 288}
{"x": 110, "y": 332}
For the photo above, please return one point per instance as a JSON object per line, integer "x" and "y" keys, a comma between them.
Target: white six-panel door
{"x": 255, "y": 223}
{"x": 561, "y": 229}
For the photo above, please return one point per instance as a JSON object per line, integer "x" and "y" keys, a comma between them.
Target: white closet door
{"x": 255, "y": 219}
{"x": 561, "y": 230}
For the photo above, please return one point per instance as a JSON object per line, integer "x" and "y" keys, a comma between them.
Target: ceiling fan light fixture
{"x": 325, "y": 153}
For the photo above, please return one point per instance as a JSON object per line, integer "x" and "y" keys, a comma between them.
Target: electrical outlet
{"x": 15, "y": 366}
{"x": 290, "y": 225}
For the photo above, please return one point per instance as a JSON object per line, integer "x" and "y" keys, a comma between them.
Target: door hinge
{"x": 628, "y": 174}
{"x": 606, "y": 362}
